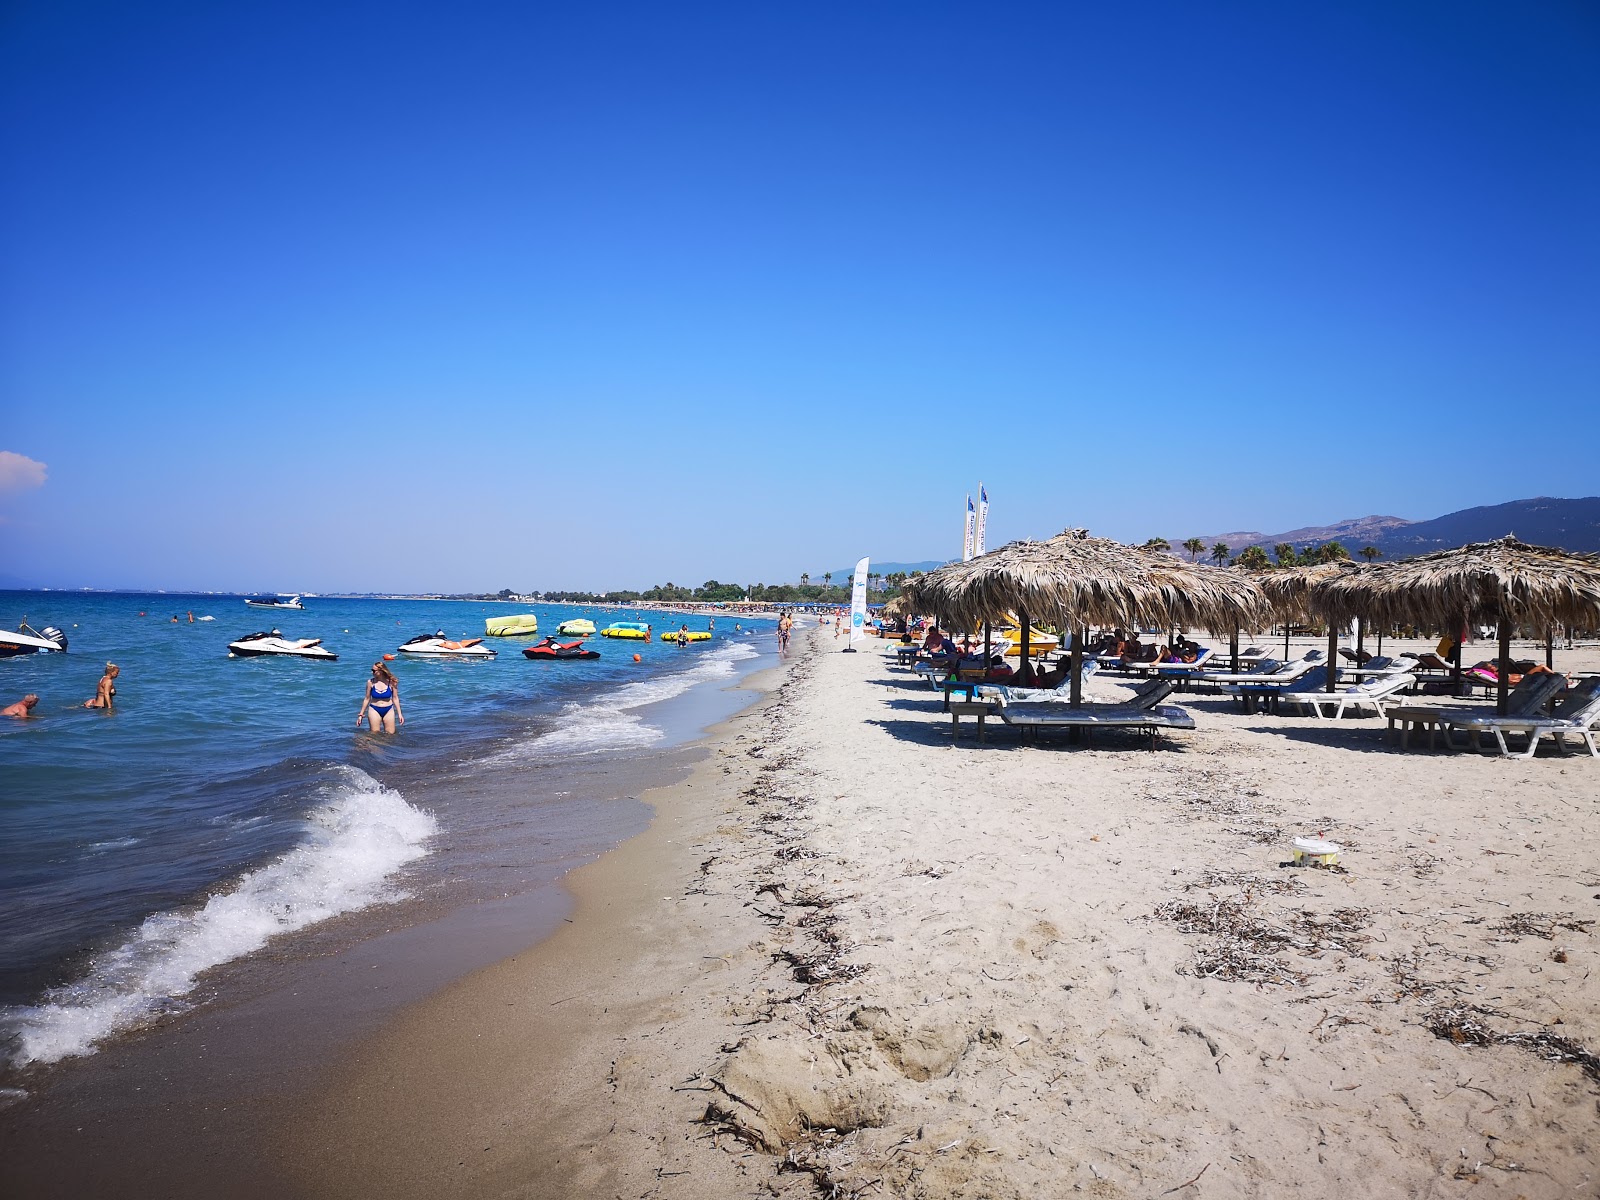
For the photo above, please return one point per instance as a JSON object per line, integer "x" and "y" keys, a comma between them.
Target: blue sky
{"x": 389, "y": 296}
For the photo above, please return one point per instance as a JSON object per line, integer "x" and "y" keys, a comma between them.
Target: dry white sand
{"x": 883, "y": 964}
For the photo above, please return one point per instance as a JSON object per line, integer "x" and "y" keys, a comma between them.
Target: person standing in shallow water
{"x": 106, "y": 690}
{"x": 381, "y": 703}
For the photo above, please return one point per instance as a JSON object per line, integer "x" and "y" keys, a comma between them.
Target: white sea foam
{"x": 121, "y": 843}
{"x": 354, "y": 842}
{"x": 608, "y": 722}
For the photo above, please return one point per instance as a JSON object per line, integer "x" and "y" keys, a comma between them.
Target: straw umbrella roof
{"x": 1077, "y": 579}
{"x": 1487, "y": 581}
{"x": 1292, "y": 592}
{"x": 1202, "y": 597}
{"x": 899, "y": 606}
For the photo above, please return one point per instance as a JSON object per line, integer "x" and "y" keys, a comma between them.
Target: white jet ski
{"x": 256, "y": 645}
{"x": 278, "y": 602}
{"x": 436, "y": 645}
{"x": 29, "y": 640}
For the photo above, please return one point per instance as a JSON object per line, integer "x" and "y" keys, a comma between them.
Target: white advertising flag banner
{"x": 980, "y": 544}
{"x": 966, "y": 541}
{"x": 858, "y": 604}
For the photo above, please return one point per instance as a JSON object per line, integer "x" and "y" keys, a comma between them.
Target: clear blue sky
{"x": 373, "y": 296}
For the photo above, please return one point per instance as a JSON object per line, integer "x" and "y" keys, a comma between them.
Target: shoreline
{"x": 190, "y": 1099}
{"x": 570, "y": 1069}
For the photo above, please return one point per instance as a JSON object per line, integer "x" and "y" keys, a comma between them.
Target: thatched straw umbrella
{"x": 1077, "y": 580}
{"x": 1504, "y": 581}
{"x": 1292, "y": 591}
{"x": 1201, "y": 596}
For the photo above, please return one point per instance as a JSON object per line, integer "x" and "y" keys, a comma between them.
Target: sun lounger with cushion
{"x": 1301, "y": 676}
{"x": 1097, "y": 716}
{"x": 1373, "y": 694}
{"x": 1020, "y": 695}
{"x": 1576, "y": 712}
{"x": 1527, "y": 698}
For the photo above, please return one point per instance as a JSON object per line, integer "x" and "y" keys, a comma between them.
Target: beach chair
{"x": 1090, "y": 717}
{"x": 1302, "y": 675}
{"x": 1575, "y": 712}
{"x": 1156, "y": 668}
{"x": 1182, "y": 670}
{"x": 1023, "y": 695}
{"x": 1527, "y": 699}
{"x": 1372, "y": 693}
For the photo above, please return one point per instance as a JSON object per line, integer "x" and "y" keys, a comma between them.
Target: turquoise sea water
{"x": 227, "y": 800}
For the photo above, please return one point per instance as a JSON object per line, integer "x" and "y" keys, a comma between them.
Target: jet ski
{"x": 551, "y": 650}
{"x": 277, "y": 602}
{"x": 256, "y": 645}
{"x": 436, "y": 645}
{"x": 28, "y": 640}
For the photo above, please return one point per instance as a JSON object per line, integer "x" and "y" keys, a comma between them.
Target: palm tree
{"x": 1370, "y": 552}
{"x": 1253, "y": 558}
{"x": 805, "y": 578}
{"x": 827, "y": 579}
{"x": 1195, "y": 547}
{"x": 1219, "y": 553}
{"x": 1158, "y": 544}
{"x": 1285, "y": 554}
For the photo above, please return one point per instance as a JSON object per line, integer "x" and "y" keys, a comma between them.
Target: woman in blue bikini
{"x": 381, "y": 705}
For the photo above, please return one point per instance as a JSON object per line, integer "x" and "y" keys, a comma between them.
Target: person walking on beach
{"x": 784, "y": 625}
{"x": 22, "y": 709}
{"x": 106, "y": 690}
{"x": 381, "y": 703}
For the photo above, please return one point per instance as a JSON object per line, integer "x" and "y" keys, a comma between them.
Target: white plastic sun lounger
{"x": 1280, "y": 673}
{"x": 1373, "y": 694}
{"x": 1527, "y": 699}
{"x": 1576, "y": 713}
{"x": 1007, "y": 694}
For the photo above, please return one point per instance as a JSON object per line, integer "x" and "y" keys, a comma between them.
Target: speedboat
{"x": 577, "y": 627}
{"x": 257, "y": 645}
{"x": 436, "y": 645}
{"x": 520, "y": 625}
{"x": 278, "y": 602}
{"x": 28, "y": 640}
{"x": 551, "y": 650}
{"x": 634, "y": 631}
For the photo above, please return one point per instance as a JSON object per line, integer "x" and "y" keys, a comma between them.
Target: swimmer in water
{"x": 22, "y": 709}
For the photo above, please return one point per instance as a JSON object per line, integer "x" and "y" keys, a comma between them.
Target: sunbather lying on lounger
{"x": 1137, "y": 653}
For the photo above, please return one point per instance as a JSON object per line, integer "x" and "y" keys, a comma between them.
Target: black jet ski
{"x": 28, "y": 640}
{"x": 551, "y": 650}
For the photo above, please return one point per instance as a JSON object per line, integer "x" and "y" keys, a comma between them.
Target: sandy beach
{"x": 851, "y": 958}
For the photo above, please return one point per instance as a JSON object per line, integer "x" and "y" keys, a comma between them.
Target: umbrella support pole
{"x": 1333, "y": 656}
{"x": 1502, "y": 668}
{"x": 1455, "y": 657}
{"x": 1078, "y": 635}
{"x": 1233, "y": 649}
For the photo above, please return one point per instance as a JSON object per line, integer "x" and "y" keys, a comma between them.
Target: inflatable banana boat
{"x": 518, "y": 626}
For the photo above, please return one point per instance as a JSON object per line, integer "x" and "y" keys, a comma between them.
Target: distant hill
{"x": 881, "y": 568}
{"x": 1543, "y": 521}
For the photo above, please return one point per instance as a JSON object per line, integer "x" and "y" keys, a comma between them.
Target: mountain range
{"x": 1543, "y": 521}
